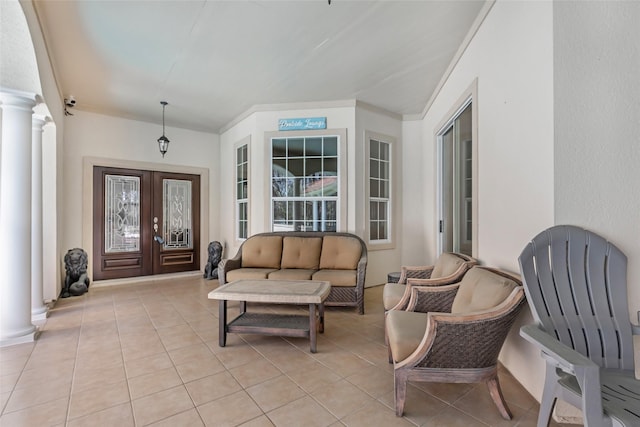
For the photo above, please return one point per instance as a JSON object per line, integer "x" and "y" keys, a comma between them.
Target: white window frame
{"x": 238, "y": 201}
{"x": 389, "y": 242}
{"x": 342, "y": 198}
{"x": 469, "y": 97}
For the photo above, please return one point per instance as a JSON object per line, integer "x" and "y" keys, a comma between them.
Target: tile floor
{"x": 148, "y": 354}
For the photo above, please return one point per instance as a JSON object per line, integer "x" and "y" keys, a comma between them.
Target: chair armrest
{"x": 426, "y": 299}
{"x": 565, "y": 356}
{"x": 417, "y": 272}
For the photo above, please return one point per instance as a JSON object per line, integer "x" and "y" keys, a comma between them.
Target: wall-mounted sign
{"x": 303, "y": 124}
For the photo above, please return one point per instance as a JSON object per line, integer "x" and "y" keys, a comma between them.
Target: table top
{"x": 274, "y": 291}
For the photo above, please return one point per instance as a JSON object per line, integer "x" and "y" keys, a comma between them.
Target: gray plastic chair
{"x": 576, "y": 285}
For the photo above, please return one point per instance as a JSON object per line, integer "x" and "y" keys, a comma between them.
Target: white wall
{"x": 89, "y": 136}
{"x": 511, "y": 56}
{"x": 597, "y": 151}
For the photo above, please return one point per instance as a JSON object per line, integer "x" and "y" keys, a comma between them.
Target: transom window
{"x": 304, "y": 183}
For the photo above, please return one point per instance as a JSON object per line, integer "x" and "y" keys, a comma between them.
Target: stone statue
{"x": 76, "y": 281}
{"x": 215, "y": 254}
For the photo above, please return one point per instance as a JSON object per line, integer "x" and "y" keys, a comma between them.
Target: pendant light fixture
{"x": 163, "y": 141}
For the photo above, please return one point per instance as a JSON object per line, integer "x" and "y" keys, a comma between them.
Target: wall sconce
{"x": 163, "y": 141}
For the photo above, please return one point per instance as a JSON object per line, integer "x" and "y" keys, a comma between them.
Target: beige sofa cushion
{"x": 249, "y": 273}
{"x": 340, "y": 253}
{"x": 446, "y": 265}
{"x": 337, "y": 278}
{"x": 262, "y": 252}
{"x": 405, "y": 330}
{"x": 480, "y": 290}
{"x": 292, "y": 274}
{"x": 301, "y": 252}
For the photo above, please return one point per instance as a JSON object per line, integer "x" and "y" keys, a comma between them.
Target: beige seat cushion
{"x": 446, "y": 265}
{"x": 338, "y": 278}
{"x": 292, "y": 274}
{"x": 301, "y": 252}
{"x": 481, "y": 289}
{"x": 248, "y": 273}
{"x": 340, "y": 253}
{"x": 405, "y": 330}
{"x": 262, "y": 252}
{"x": 392, "y": 294}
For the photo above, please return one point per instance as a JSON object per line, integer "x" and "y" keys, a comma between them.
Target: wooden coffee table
{"x": 310, "y": 292}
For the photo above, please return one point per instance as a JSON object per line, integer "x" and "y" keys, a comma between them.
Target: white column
{"x": 15, "y": 218}
{"x": 39, "y": 311}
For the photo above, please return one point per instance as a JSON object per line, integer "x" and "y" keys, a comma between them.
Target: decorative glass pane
{"x": 122, "y": 214}
{"x": 177, "y": 214}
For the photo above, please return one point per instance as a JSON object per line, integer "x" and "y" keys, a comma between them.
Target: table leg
{"x": 321, "y": 313}
{"x": 243, "y": 307}
{"x": 313, "y": 327}
{"x": 222, "y": 323}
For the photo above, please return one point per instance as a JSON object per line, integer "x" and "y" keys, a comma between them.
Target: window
{"x": 242, "y": 192}
{"x": 305, "y": 183}
{"x": 379, "y": 188}
{"x": 457, "y": 152}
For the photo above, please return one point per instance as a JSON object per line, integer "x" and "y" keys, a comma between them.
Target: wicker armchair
{"x": 454, "y": 333}
{"x": 449, "y": 268}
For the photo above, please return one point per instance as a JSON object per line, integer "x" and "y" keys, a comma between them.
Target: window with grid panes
{"x": 242, "y": 196}
{"x": 304, "y": 183}
{"x": 379, "y": 190}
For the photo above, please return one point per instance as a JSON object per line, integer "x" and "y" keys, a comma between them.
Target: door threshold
{"x": 145, "y": 279}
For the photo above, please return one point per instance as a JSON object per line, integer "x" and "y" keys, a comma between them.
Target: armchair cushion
{"x": 337, "y": 278}
{"x": 446, "y": 265}
{"x": 405, "y": 330}
{"x": 481, "y": 289}
{"x": 262, "y": 252}
{"x": 301, "y": 252}
{"x": 249, "y": 273}
{"x": 292, "y": 274}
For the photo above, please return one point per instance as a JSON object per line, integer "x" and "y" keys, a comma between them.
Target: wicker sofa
{"x": 338, "y": 258}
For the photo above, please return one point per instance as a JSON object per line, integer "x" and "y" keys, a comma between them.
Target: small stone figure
{"x": 215, "y": 254}
{"x": 76, "y": 281}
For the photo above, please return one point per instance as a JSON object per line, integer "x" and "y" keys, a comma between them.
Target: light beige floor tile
{"x": 255, "y": 372}
{"x": 262, "y": 421}
{"x": 12, "y": 366}
{"x": 212, "y": 387}
{"x": 17, "y": 351}
{"x": 119, "y": 415}
{"x": 8, "y": 382}
{"x": 38, "y": 394}
{"x": 313, "y": 376}
{"x": 342, "y": 398}
{"x": 230, "y": 410}
{"x": 60, "y": 371}
{"x": 84, "y": 379}
{"x": 451, "y": 417}
{"x": 447, "y": 392}
{"x": 275, "y": 392}
{"x": 419, "y": 406}
{"x": 197, "y": 369}
{"x": 147, "y": 365}
{"x": 375, "y": 414}
{"x": 237, "y": 355}
{"x": 478, "y": 404}
{"x": 154, "y": 382}
{"x": 373, "y": 381}
{"x": 302, "y": 412}
{"x": 101, "y": 397}
{"x": 190, "y": 353}
{"x": 50, "y": 413}
{"x": 159, "y": 406}
{"x": 190, "y": 418}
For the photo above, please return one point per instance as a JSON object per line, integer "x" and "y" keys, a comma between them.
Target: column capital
{"x": 17, "y": 98}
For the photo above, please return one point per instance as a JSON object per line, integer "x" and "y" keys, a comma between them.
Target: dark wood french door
{"x": 144, "y": 222}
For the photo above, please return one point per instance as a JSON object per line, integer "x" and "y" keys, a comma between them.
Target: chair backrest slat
{"x": 576, "y": 286}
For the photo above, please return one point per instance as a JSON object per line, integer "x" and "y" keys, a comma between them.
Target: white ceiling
{"x": 213, "y": 60}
